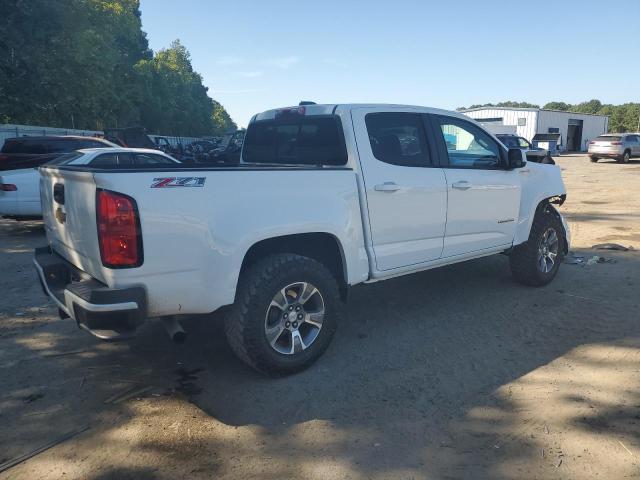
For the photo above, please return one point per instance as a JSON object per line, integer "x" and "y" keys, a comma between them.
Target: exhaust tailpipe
{"x": 174, "y": 329}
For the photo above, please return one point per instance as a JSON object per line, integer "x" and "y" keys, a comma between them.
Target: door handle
{"x": 461, "y": 185}
{"x": 524, "y": 170}
{"x": 387, "y": 187}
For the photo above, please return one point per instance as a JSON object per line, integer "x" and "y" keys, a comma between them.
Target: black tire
{"x": 548, "y": 160}
{"x": 524, "y": 259}
{"x": 593, "y": 158}
{"x": 245, "y": 322}
{"x": 626, "y": 157}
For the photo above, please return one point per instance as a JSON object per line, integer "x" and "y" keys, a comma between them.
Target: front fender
{"x": 539, "y": 182}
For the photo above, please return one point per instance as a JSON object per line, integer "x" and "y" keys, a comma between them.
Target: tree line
{"x": 622, "y": 118}
{"x": 87, "y": 64}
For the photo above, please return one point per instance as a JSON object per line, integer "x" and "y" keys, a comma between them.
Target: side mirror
{"x": 516, "y": 158}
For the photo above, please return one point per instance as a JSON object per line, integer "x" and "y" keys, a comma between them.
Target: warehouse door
{"x": 574, "y": 135}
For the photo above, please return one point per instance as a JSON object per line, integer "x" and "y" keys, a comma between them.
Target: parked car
{"x": 534, "y": 154}
{"x": 30, "y": 152}
{"x": 19, "y": 189}
{"x": 621, "y": 146}
{"x": 325, "y": 197}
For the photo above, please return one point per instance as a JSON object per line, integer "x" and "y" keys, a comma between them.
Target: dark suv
{"x": 534, "y": 154}
{"x": 31, "y": 152}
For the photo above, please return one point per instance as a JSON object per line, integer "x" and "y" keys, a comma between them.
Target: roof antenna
{"x": 306, "y": 102}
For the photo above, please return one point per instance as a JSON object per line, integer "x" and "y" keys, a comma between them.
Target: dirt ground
{"x": 453, "y": 373}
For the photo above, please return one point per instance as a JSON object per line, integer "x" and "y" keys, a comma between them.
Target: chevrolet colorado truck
{"x": 325, "y": 197}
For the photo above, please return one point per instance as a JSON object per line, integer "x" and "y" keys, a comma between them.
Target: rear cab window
{"x": 296, "y": 139}
{"x": 398, "y": 138}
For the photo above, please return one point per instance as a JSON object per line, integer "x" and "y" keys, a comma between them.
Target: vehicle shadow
{"x": 416, "y": 358}
{"x": 443, "y": 374}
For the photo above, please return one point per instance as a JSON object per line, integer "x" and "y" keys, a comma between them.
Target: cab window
{"x": 398, "y": 138}
{"x": 467, "y": 145}
{"x": 523, "y": 143}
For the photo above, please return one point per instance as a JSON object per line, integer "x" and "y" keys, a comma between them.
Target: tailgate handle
{"x": 58, "y": 193}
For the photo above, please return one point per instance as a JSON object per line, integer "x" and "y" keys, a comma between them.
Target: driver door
{"x": 483, "y": 197}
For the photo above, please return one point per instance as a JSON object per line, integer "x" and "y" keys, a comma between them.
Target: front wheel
{"x": 548, "y": 160}
{"x": 536, "y": 262}
{"x": 593, "y": 158}
{"x": 285, "y": 314}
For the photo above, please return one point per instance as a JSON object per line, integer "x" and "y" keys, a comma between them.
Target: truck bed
{"x": 198, "y": 222}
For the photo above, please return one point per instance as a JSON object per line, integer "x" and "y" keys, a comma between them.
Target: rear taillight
{"x": 118, "y": 230}
{"x": 8, "y": 187}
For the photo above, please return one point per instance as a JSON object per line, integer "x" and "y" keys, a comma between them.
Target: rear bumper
{"x": 605, "y": 153}
{"x": 107, "y": 313}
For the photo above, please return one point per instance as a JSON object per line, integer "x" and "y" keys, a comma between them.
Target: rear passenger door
{"x": 406, "y": 191}
{"x": 483, "y": 197}
{"x": 634, "y": 143}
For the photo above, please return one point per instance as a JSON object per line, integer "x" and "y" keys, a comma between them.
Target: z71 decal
{"x": 168, "y": 182}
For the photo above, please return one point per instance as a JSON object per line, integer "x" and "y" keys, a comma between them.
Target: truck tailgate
{"x": 69, "y": 214}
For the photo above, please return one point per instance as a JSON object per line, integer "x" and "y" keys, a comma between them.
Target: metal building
{"x": 574, "y": 130}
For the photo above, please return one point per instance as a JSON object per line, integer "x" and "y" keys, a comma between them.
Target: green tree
{"x": 592, "y": 106}
{"x": 507, "y": 104}
{"x": 557, "y": 106}
{"x": 87, "y": 64}
{"x": 174, "y": 101}
{"x": 222, "y": 122}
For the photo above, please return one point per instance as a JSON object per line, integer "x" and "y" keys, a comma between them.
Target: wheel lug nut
{"x": 300, "y": 316}
{"x": 290, "y": 307}
{"x": 286, "y": 315}
{"x": 287, "y": 324}
{"x": 298, "y": 308}
{"x": 295, "y": 324}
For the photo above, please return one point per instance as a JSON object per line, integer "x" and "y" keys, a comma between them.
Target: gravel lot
{"x": 452, "y": 373}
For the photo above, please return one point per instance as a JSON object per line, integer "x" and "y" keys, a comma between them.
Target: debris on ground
{"x": 573, "y": 259}
{"x": 624, "y": 446}
{"x": 15, "y": 461}
{"x": 126, "y": 394}
{"x": 611, "y": 246}
{"x": 598, "y": 259}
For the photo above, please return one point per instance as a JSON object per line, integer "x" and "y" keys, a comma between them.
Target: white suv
{"x": 621, "y": 146}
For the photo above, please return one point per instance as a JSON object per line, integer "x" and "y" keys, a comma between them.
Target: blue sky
{"x": 255, "y": 55}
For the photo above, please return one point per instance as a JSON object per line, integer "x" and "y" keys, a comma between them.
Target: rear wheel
{"x": 548, "y": 160}
{"x": 626, "y": 157}
{"x": 536, "y": 262}
{"x": 593, "y": 158}
{"x": 285, "y": 315}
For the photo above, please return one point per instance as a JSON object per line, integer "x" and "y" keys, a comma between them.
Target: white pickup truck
{"x": 325, "y": 197}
